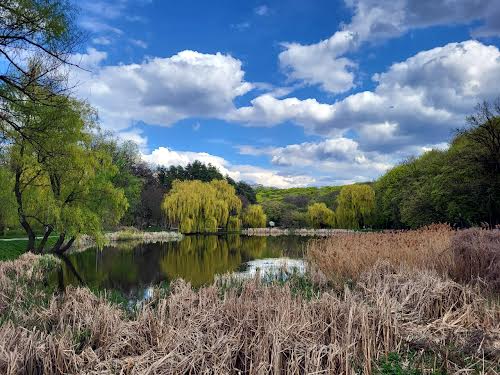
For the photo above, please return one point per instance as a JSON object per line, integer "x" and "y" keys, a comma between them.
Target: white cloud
{"x": 102, "y": 40}
{"x": 104, "y": 9}
{"x": 134, "y": 135}
{"x": 139, "y": 43}
{"x": 262, "y": 10}
{"x": 340, "y": 157}
{"x": 252, "y": 174}
{"x": 266, "y": 110}
{"x": 98, "y": 26}
{"x": 416, "y": 102}
{"x": 322, "y": 63}
{"x": 161, "y": 91}
{"x": 325, "y": 64}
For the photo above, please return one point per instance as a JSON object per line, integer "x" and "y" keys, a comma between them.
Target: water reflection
{"x": 197, "y": 259}
{"x": 271, "y": 266}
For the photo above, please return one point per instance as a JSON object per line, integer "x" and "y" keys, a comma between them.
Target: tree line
{"x": 61, "y": 175}
{"x": 459, "y": 186}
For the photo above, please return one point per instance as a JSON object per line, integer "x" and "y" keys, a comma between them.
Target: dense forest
{"x": 459, "y": 186}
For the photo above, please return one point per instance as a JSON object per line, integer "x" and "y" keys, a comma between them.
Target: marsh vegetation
{"x": 409, "y": 308}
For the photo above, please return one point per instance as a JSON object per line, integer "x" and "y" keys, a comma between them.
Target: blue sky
{"x": 288, "y": 93}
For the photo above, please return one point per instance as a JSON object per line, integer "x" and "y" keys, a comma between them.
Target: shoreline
{"x": 113, "y": 238}
{"x": 293, "y": 232}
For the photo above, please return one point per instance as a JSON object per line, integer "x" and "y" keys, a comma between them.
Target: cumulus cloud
{"x": 322, "y": 63}
{"x": 249, "y": 173}
{"x": 381, "y": 19}
{"x": 134, "y": 135}
{"x": 325, "y": 63}
{"x": 340, "y": 157}
{"x": 416, "y": 102}
{"x": 161, "y": 91}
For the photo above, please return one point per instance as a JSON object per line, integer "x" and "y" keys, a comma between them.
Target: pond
{"x": 132, "y": 268}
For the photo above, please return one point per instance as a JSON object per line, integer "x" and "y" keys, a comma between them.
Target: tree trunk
{"x": 67, "y": 246}
{"x": 60, "y": 247}
{"x": 41, "y": 246}
{"x": 20, "y": 211}
{"x": 57, "y": 246}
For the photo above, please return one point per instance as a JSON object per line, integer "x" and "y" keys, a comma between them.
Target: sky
{"x": 291, "y": 92}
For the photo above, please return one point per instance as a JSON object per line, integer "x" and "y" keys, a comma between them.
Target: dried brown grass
{"x": 346, "y": 256}
{"x": 467, "y": 256}
{"x": 476, "y": 254}
{"x": 259, "y": 329}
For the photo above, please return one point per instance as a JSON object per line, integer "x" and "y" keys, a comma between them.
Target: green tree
{"x": 355, "y": 206}
{"x": 483, "y": 133}
{"x": 8, "y": 215}
{"x": 320, "y": 216}
{"x": 37, "y": 38}
{"x": 274, "y": 210}
{"x": 127, "y": 159}
{"x": 200, "y": 207}
{"x": 193, "y": 171}
{"x": 63, "y": 181}
{"x": 254, "y": 217}
{"x": 460, "y": 185}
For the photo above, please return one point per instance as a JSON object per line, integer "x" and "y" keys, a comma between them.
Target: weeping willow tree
{"x": 320, "y": 216}
{"x": 254, "y": 217}
{"x": 355, "y": 206}
{"x": 202, "y": 207}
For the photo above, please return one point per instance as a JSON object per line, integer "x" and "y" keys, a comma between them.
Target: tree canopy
{"x": 254, "y": 217}
{"x": 459, "y": 186}
{"x": 355, "y": 206}
{"x": 193, "y": 171}
{"x": 62, "y": 173}
{"x": 37, "y": 38}
{"x": 200, "y": 207}
{"x": 320, "y": 216}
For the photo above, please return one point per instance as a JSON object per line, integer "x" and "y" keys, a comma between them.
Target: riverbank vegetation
{"x": 467, "y": 256}
{"x": 399, "y": 313}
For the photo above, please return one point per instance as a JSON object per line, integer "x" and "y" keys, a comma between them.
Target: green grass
{"x": 12, "y": 249}
{"x": 13, "y": 233}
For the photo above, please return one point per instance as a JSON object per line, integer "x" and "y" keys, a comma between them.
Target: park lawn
{"x": 13, "y": 249}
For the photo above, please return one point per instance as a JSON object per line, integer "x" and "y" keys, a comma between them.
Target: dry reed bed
{"x": 259, "y": 329}
{"x": 466, "y": 256}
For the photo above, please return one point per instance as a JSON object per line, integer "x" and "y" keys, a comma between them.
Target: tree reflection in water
{"x": 131, "y": 268}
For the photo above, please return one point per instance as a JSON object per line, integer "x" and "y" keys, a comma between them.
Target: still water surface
{"x": 132, "y": 268}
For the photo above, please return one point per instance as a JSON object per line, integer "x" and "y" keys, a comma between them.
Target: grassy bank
{"x": 12, "y": 249}
{"x": 399, "y": 315}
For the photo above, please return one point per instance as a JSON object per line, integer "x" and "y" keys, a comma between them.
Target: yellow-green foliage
{"x": 254, "y": 217}
{"x": 320, "y": 216}
{"x": 355, "y": 205}
{"x": 234, "y": 224}
{"x": 200, "y": 207}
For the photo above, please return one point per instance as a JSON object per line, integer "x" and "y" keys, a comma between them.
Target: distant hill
{"x": 313, "y": 193}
